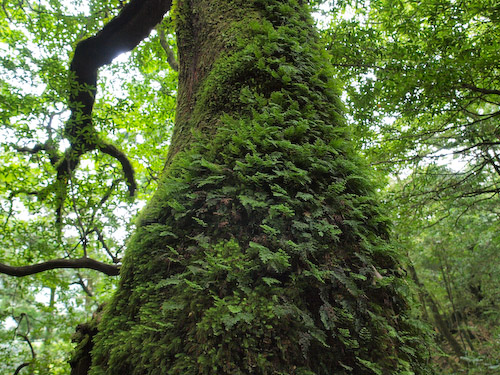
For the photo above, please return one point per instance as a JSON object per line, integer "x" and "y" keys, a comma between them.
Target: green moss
{"x": 262, "y": 250}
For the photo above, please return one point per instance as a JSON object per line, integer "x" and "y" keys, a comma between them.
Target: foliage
{"x": 423, "y": 92}
{"x": 455, "y": 258}
{"x": 134, "y": 108}
{"x": 424, "y": 85}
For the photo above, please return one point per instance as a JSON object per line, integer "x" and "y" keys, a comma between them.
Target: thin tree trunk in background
{"x": 49, "y": 329}
{"x": 458, "y": 316}
{"x": 439, "y": 321}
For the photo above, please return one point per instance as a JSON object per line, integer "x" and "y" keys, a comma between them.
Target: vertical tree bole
{"x": 263, "y": 250}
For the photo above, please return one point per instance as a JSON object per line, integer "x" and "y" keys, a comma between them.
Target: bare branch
{"x": 445, "y": 128}
{"x": 21, "y": 317}
{"x": 85, "y": 288}
{"x": 21, "y": 366}
{"x": 477, "y": 145}
{"x": 481, "y": 90}
{"x": 26, "y": 338}
{"x": 435, "y": 154}
{"x": 33, "y": 354}
{"x": 108, "y": 269}
{"x": 105, "y": 246}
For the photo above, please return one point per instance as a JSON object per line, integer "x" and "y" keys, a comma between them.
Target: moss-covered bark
{"x": 263, "y": 251}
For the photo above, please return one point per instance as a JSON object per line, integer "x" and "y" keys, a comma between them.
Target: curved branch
{"x": 21, "y": 366}
{"x": 123, "y": 33}
{"x": 108, "y": 269}
{"x": 128, "y": 169}
{"x": 481, "y": 90}
{"x": 33, "y": 354}
{"x": 28, "y": 341}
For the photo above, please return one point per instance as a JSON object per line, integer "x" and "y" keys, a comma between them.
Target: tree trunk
{"x": 263, "y": 250}
{"x": 439, "y": 321}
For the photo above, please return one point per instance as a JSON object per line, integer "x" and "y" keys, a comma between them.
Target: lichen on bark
{"x": 264, "y": 250}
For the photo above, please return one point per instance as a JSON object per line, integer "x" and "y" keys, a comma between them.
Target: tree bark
{"x": 263, "y": 250}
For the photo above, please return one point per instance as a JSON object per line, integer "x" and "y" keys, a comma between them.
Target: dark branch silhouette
{"x": 85, "y": 288}
{"x": 20, "y": 271}
{"x": 121, "y": 34}
{"x": 33, "y": 354}
{"x": 481, "y": 90}
{"x": 128, "y": 170}
{"x": 21, "y": 366}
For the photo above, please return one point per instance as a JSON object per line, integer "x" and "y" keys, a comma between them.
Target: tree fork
{"x": 123, "y": 33}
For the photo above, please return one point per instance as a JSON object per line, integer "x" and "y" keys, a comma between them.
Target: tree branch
{"x": 47, "y": 147}
{"x": 21, "y": 366}
{"x": 26, "y": 338}
{"x": 123, "y": 33}
{"x": 128, "y": 170}
{"x": 481, "y": 90}
{"x": 85, "y": 288}
{"x": 477, "y": 145}
{"x": 171, "y": 59}
{"x": 105, "y": 246}
{"x": 33, "y": 354}
{"x": 30, "y": 150}
{"x": 108, "y": 269}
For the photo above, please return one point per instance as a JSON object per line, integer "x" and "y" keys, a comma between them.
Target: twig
{"x": 85, "y": 288}
{"x": 33, "y": 354}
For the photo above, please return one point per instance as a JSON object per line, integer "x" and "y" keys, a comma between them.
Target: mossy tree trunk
{"x": 263, "y": 250}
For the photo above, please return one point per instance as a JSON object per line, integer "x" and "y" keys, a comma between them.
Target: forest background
{"x": 421, "y": 83}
